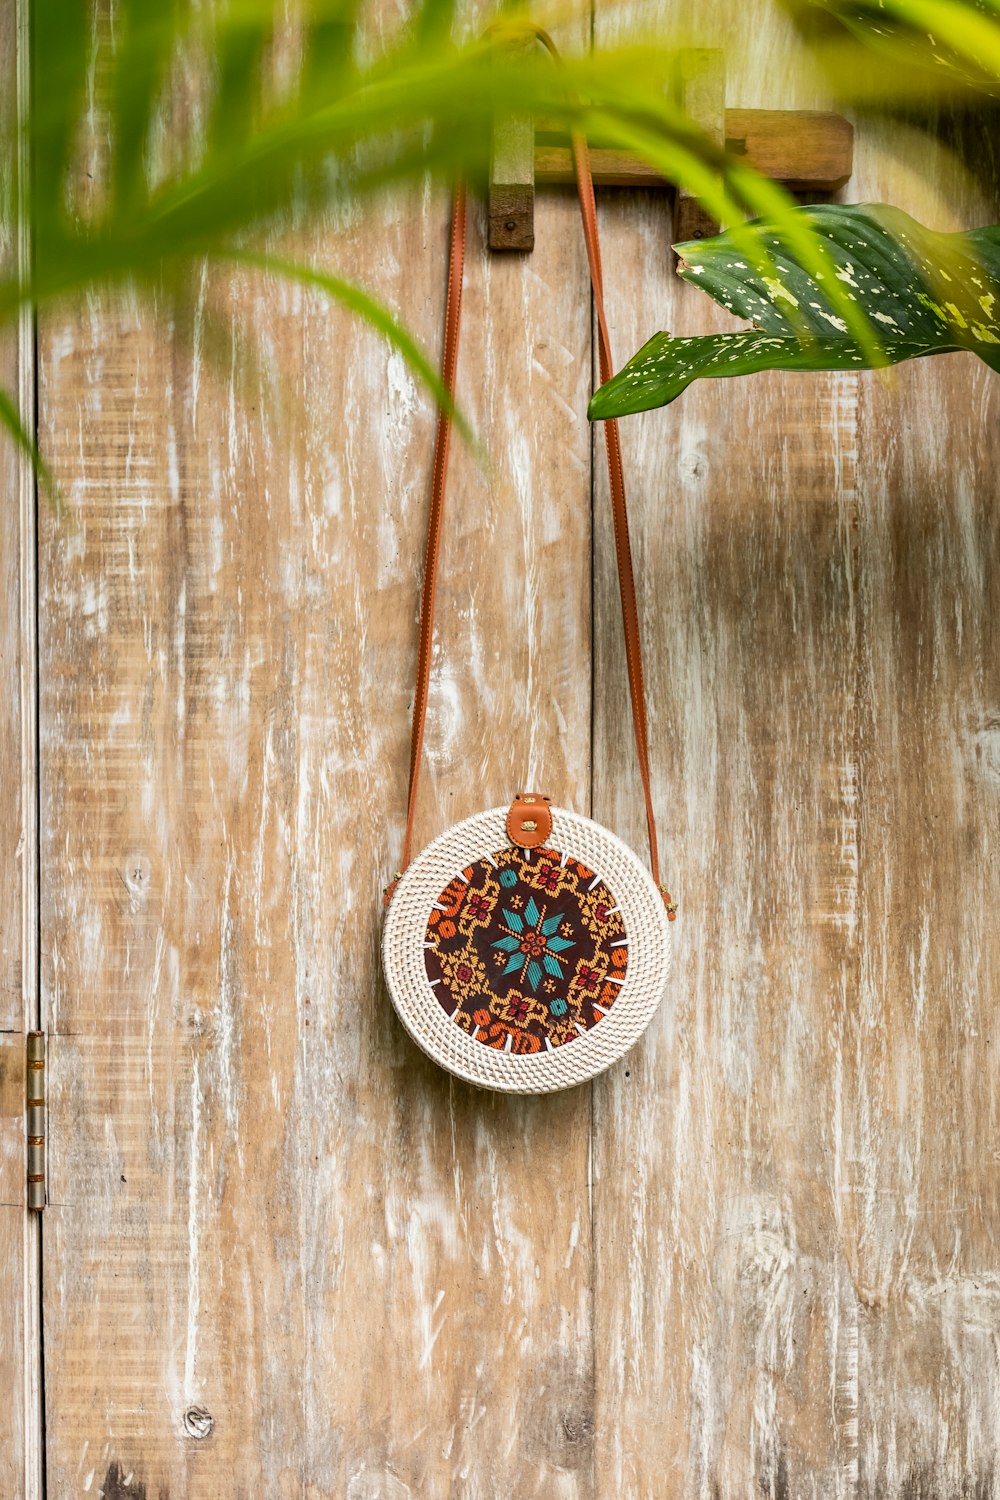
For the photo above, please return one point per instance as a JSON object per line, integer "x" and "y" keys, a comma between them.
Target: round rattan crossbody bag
{"x": 527, "y": 948}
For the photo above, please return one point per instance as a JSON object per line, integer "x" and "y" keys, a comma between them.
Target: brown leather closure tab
{"x": 529, "y": 821}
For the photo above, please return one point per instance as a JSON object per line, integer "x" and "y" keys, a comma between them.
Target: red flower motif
{"x": 587, "y": 978}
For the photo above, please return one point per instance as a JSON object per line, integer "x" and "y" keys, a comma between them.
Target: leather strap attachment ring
{"x": 529, "y": 821}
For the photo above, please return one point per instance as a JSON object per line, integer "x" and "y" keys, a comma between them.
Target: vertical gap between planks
{"x": 591, "y": 1198}
{"x": 33, "y": 1394}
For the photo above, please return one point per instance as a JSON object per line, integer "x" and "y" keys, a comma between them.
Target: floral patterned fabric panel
{"x": 526, "y": 949}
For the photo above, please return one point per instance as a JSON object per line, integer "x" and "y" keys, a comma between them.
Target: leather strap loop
{"x": 619, "y": 509}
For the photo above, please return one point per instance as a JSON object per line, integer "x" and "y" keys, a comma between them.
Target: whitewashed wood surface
{"x": 795, "y": 1183}
{"x": 285, "y": 1256}
{"x": 19, "y": 1282}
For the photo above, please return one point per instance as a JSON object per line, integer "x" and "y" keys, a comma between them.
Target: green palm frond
{"x": 958, "y": 40}
{"x": 10, "y": 418}
{"x": 357, "y": 300}
{"x": 942, "y": 51}
{"x": 164, "y": 133}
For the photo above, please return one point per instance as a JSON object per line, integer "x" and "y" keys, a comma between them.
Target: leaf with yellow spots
{"x": 922, "y": 293}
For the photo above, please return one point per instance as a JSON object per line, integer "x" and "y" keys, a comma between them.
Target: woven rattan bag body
{"x": 527, "y": 948}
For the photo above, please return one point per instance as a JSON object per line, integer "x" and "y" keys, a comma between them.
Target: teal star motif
{"x": 532, "y": 943}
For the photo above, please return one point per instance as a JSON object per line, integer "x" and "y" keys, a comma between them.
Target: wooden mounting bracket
{"x": 700, "y": 90}
{"x": 807, "y": 151}
{"x": 512, "y": 175}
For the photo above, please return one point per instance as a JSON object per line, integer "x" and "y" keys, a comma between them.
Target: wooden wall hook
{"x": 700, "y": 90}
{"x": 511, "y": 206}
{"x": 807, "y": 151}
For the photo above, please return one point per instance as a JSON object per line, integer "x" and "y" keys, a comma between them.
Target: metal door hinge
{"x": 35, "y": 1118}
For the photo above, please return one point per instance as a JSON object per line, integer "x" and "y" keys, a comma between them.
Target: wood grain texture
{"x": 701, "y": 93}
{"x": 807, "y": 149}
{"x": 19, "y": 1342}
{"x": 921, "y": 1067}
{"x": 794, "y": 1181}
{"x": 511, "y": 192}
{"x": 11, "y": 656}
{"x": 810, "y": 150}
{"x": 285, "y": 1255}
{"x": 14, "y": 1246}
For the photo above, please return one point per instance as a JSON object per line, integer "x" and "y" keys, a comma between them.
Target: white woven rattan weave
{"x": 646, "y": 926}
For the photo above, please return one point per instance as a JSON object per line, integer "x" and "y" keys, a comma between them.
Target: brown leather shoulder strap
{"x": 442, "y": 440}
{"x": 626, "y": 581}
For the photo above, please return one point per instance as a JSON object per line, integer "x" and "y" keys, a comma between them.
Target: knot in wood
{"x": 198, "y": 1422}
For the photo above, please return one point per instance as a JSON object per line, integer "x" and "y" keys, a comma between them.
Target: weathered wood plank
{"x": 720, "y": 1290}
{"x": 812, "y": 151}
{"x": 13, "y": 1266}
{"x": 11, "y": 654}
{"x": 723, "y": 1338}
{"x": 807, "y": 150}
{"x": 796, "y": 1293}
{"x": 285, "y": 1255}
{"x": 19, "y": 1335}
{"x": 920, "y": 1064}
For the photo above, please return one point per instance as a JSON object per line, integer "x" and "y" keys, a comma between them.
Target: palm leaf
{"x": 10, "y": 418}
{"x": 59, "y": 90}
{"x": 240, "y": 45}
{"x": 928, "y": 293}
{"x": 147, "y": 40}
{"x": 252, "y": 145}
{"x": 957, "y": 38}
{"x": 357, "y": 300}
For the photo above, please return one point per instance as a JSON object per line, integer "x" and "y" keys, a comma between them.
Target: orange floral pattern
{"x": 526, "y": 949}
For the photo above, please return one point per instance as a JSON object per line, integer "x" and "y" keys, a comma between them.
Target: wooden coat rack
{"x": 807, "y": 151}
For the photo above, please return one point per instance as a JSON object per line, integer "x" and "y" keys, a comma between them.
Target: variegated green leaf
{"x": 925, "y": 293}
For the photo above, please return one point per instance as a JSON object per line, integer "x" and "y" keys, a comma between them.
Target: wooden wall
{"x": 284, "y": 1255}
